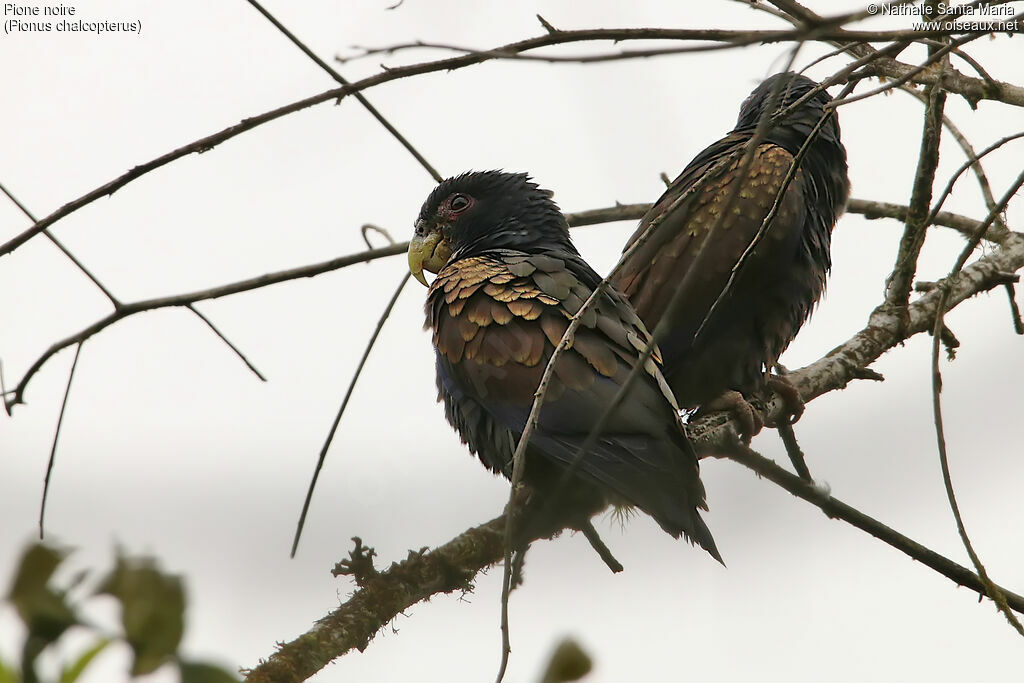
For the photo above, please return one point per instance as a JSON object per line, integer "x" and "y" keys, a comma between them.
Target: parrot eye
{"x": 460, "y": 203}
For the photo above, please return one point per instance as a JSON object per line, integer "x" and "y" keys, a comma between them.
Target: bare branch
{"x": 53, "y": 448}
{"x": 341, "y": 410}
{"x": 618, "y": 212}
{"x": 126, "y": 310}
{"x": 57, "y": 243}
{"x": 873, "y": 210}
{"x": 1018, "y": 323}
{"x": 238, "y": 352}
{"x": 899, "y": 282}
{"x": 972, "y": 88}
{"x": 973, "y": 159}
{"x": 16, "y": 395}
{"x": 451, "y": 567}
{"x": 359, "y": 96}
{"x": 993, "y": 591}
{"x": 114, "y": 300}
{"x": 884, "y": 331}
{"x": 448, "y": 568}
{"x": 837, "y": 509}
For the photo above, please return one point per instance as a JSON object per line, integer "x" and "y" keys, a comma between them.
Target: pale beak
{"x": 427, "y": 252}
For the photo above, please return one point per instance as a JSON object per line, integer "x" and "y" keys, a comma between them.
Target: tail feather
{"x": 650, "y": 473}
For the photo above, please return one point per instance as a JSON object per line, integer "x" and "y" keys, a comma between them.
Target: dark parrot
{"x": 508, "y": 282}
{"x": 695, "y": 248}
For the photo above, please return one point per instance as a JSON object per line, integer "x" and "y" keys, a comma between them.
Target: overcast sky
{"x": 171, "y": 446}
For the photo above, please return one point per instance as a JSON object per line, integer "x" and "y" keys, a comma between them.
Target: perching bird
{"x": 708, "y": 353}
{"x": 509, "y": 280}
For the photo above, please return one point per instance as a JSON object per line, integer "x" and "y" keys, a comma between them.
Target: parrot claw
{"x": 749, "y": 419}
{"x": 790, "y": 395}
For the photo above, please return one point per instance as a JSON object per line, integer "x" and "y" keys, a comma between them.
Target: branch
{"x": 18, "y": 394}
{"x": 991, "y": 589}
{"x": 382, "y": 596}
{"x": 848, "y": 361}
{"x": 901, "y": 280}
{"x": 837, "y": 509}
{"x": 618, "y": 212}
{"x": 972, "y": 156}
{"x": 966, "y": 226}
{"x": 359, "y": 96}
{"x": 972, "y": 88}
{"x": 391, "y": 74}
{"x": 341, "y": 410}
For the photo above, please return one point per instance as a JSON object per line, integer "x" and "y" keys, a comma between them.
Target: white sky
{"x": 171, "y": 446}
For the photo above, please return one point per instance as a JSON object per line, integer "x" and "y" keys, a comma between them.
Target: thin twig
{"x": 900, "y": 281}
{"x": 974, "y": 161}
{"x": 341, "y": 410}
{"x": 115, "y": 302}
{"x": 1018, "y": 323}
{"x": 973, "y": 88}
{"x": 914, "y": 71}
{"x": 359, "y": 96}
{"x": 961, "y": 140}
{"x": 837, "y": 509}
{"x": 127, "y": 310}
{"x": 869, "y": 209}
{"x": 57, "y": 243}
{"x": 973, "y": 158}
{"x": 796, "y": 455}
{"x": 223, "y": 338}
{"x": 367, "y": 228}
{"x": 53, "y": 448}
{"x": 580, "y": 219}
{"x": 993, "y": 591}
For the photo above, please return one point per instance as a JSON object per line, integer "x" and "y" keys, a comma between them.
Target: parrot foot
{"x": 742, "y": 411}
{"x": 790, "y": 395}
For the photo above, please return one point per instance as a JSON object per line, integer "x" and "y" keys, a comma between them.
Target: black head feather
{"x": 479, "y": 211}
{"x": 782, "y": 90}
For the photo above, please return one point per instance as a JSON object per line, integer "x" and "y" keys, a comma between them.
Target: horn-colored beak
{"x": 427, "y": 252}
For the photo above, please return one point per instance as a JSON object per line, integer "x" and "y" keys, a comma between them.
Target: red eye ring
{"x": 459, "y": 203}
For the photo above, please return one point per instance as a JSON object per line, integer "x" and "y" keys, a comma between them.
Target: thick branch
{"x": 962, "y": 224}
{"x": 972, "y": 89}
{"x": 383, "y": 596}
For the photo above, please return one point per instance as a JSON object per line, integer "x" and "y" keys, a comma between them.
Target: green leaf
{"x": 201, "y": 672}
{"x": 568, "y": 663}
{"x": 71, "y": 674}
{"x": 43, "y": 609}
{"x": 37, "y": 565}
{"x": 152, "y": 610}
